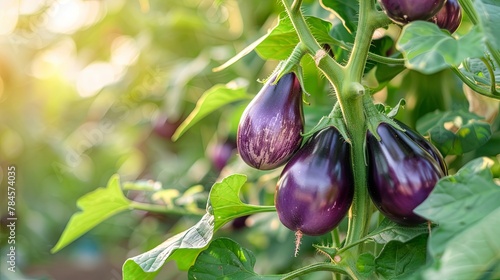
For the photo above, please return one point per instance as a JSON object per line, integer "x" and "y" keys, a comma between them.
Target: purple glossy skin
{"x": 316, "y": 187}
{"x": 405, "y": 11}
{"x": 401, "y": 174}
{"x": 428, "y": 147}
{"x": 449, "y": 17}
{"x": 270, "y": 128}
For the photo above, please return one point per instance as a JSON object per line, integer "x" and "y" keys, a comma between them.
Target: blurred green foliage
{"x": 93, "y": 88}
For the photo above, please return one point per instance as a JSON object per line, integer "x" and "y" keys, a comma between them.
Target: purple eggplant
{"x": 401, "y": 174}
{"x": 405, "y": 11}
{"x": 431, "y": 149}
{"x": 449, "y": 17}
{"x": 269, "y": 132}
{"x": 220, "y": 153}
{"x": 316, "y": 187}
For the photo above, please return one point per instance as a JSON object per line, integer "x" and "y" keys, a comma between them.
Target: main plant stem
{"x": 347, "y": 82}
{"x": 351, "y": 98}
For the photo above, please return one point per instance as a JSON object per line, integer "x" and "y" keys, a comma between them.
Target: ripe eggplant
{"x": 449, "y": 17}
{"x": 401, "y": 174}
{"x": 405, "y": 11}
{"x": 269, "y": 132}
{"x": 316, "y": 187}
{"x": 431, "y": 149}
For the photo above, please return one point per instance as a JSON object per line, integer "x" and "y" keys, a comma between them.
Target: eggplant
{"x": 405, "y": 11}
{"x": 269, "y": 132}
{"x": 426, "y": 145}
{"x": 316, "y": 187}
{"x": 449, "y": 17}
{"x": 401, "y": 174}
{"x": 220, "y": 153}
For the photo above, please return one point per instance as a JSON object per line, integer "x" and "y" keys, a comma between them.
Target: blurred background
{"x": 93, "y": 88}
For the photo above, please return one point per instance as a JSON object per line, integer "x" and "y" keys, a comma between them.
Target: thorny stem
{"x": 347, "y": 81}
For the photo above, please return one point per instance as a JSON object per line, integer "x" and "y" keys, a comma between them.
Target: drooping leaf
{"x": 454, "y": 132}
{"x": 347, "y": 10}
{"x": 225, "y": 259}
{"x": 194, "y": 239}
{"x": 428, "y": 49}
{"x": 211, "y": 100}
{"x": 401, "y": 260}
{"x": 466, "y": 244}
{"x": 223, "y": 206}
{"x": 389, "y": 231}
{"x": 96, "y": 207}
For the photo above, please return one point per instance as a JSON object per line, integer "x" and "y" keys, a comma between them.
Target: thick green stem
{"x": 347, "y": 81}
{"x": 351, "y": 99}
{"x": 332, "y": 70}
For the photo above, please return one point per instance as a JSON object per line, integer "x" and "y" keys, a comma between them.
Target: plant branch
{"x": 313, "y": 268}
{"x": 332, "y": 70}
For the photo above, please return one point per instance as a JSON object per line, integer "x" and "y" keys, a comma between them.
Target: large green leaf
{"x": 466, "y": 243}
{"x": 225, "y": 259}
{"x": 96, "y": 207}
{"x": 454, "y": 132}
{"x": 488, "y": 12}
{"x": 211, "y": 100}
{"x": 223, "y": 206}
{"x": 428, "y": 49}
{"x": 401, "y": 260}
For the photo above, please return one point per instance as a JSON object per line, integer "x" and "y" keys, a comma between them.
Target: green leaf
{"x": 428, "y": 49}
{"x": 489, "y": 19}
{"x": 454, "y": 132}
{"x": 366, "y": 265}
{"x": 466, "y": 244}
{"x": 211, "y": 100}
{"x": 96, "y": 207}
{"x": 225, "y": 259}
{"x": 194, "y": 238}
{"x": 401, "y": 260}
{"x": 346, "y": 10}
{"x": 389, "y": 231}
{"x": 223, "y": 206}
{"x": 226, "y": 203}
{"x": 281, "y": 41}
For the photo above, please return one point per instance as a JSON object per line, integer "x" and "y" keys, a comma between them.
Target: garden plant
{"x": 370, "y": 151}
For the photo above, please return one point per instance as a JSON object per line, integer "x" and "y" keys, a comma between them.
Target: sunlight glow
{"x": 69, "y": 16}
{"x": 96, "y": 76}
{"x": 9, "y": 14}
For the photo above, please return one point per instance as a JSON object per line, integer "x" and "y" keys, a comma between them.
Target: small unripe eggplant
{"x": 220, "y": 153}
{"x": 405, "y": 11}
{"x": 316, "y": 187}
{"x": 449, "y": 17}
{"x": 401, "y": 174}
{"x": 269, "y": 132}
